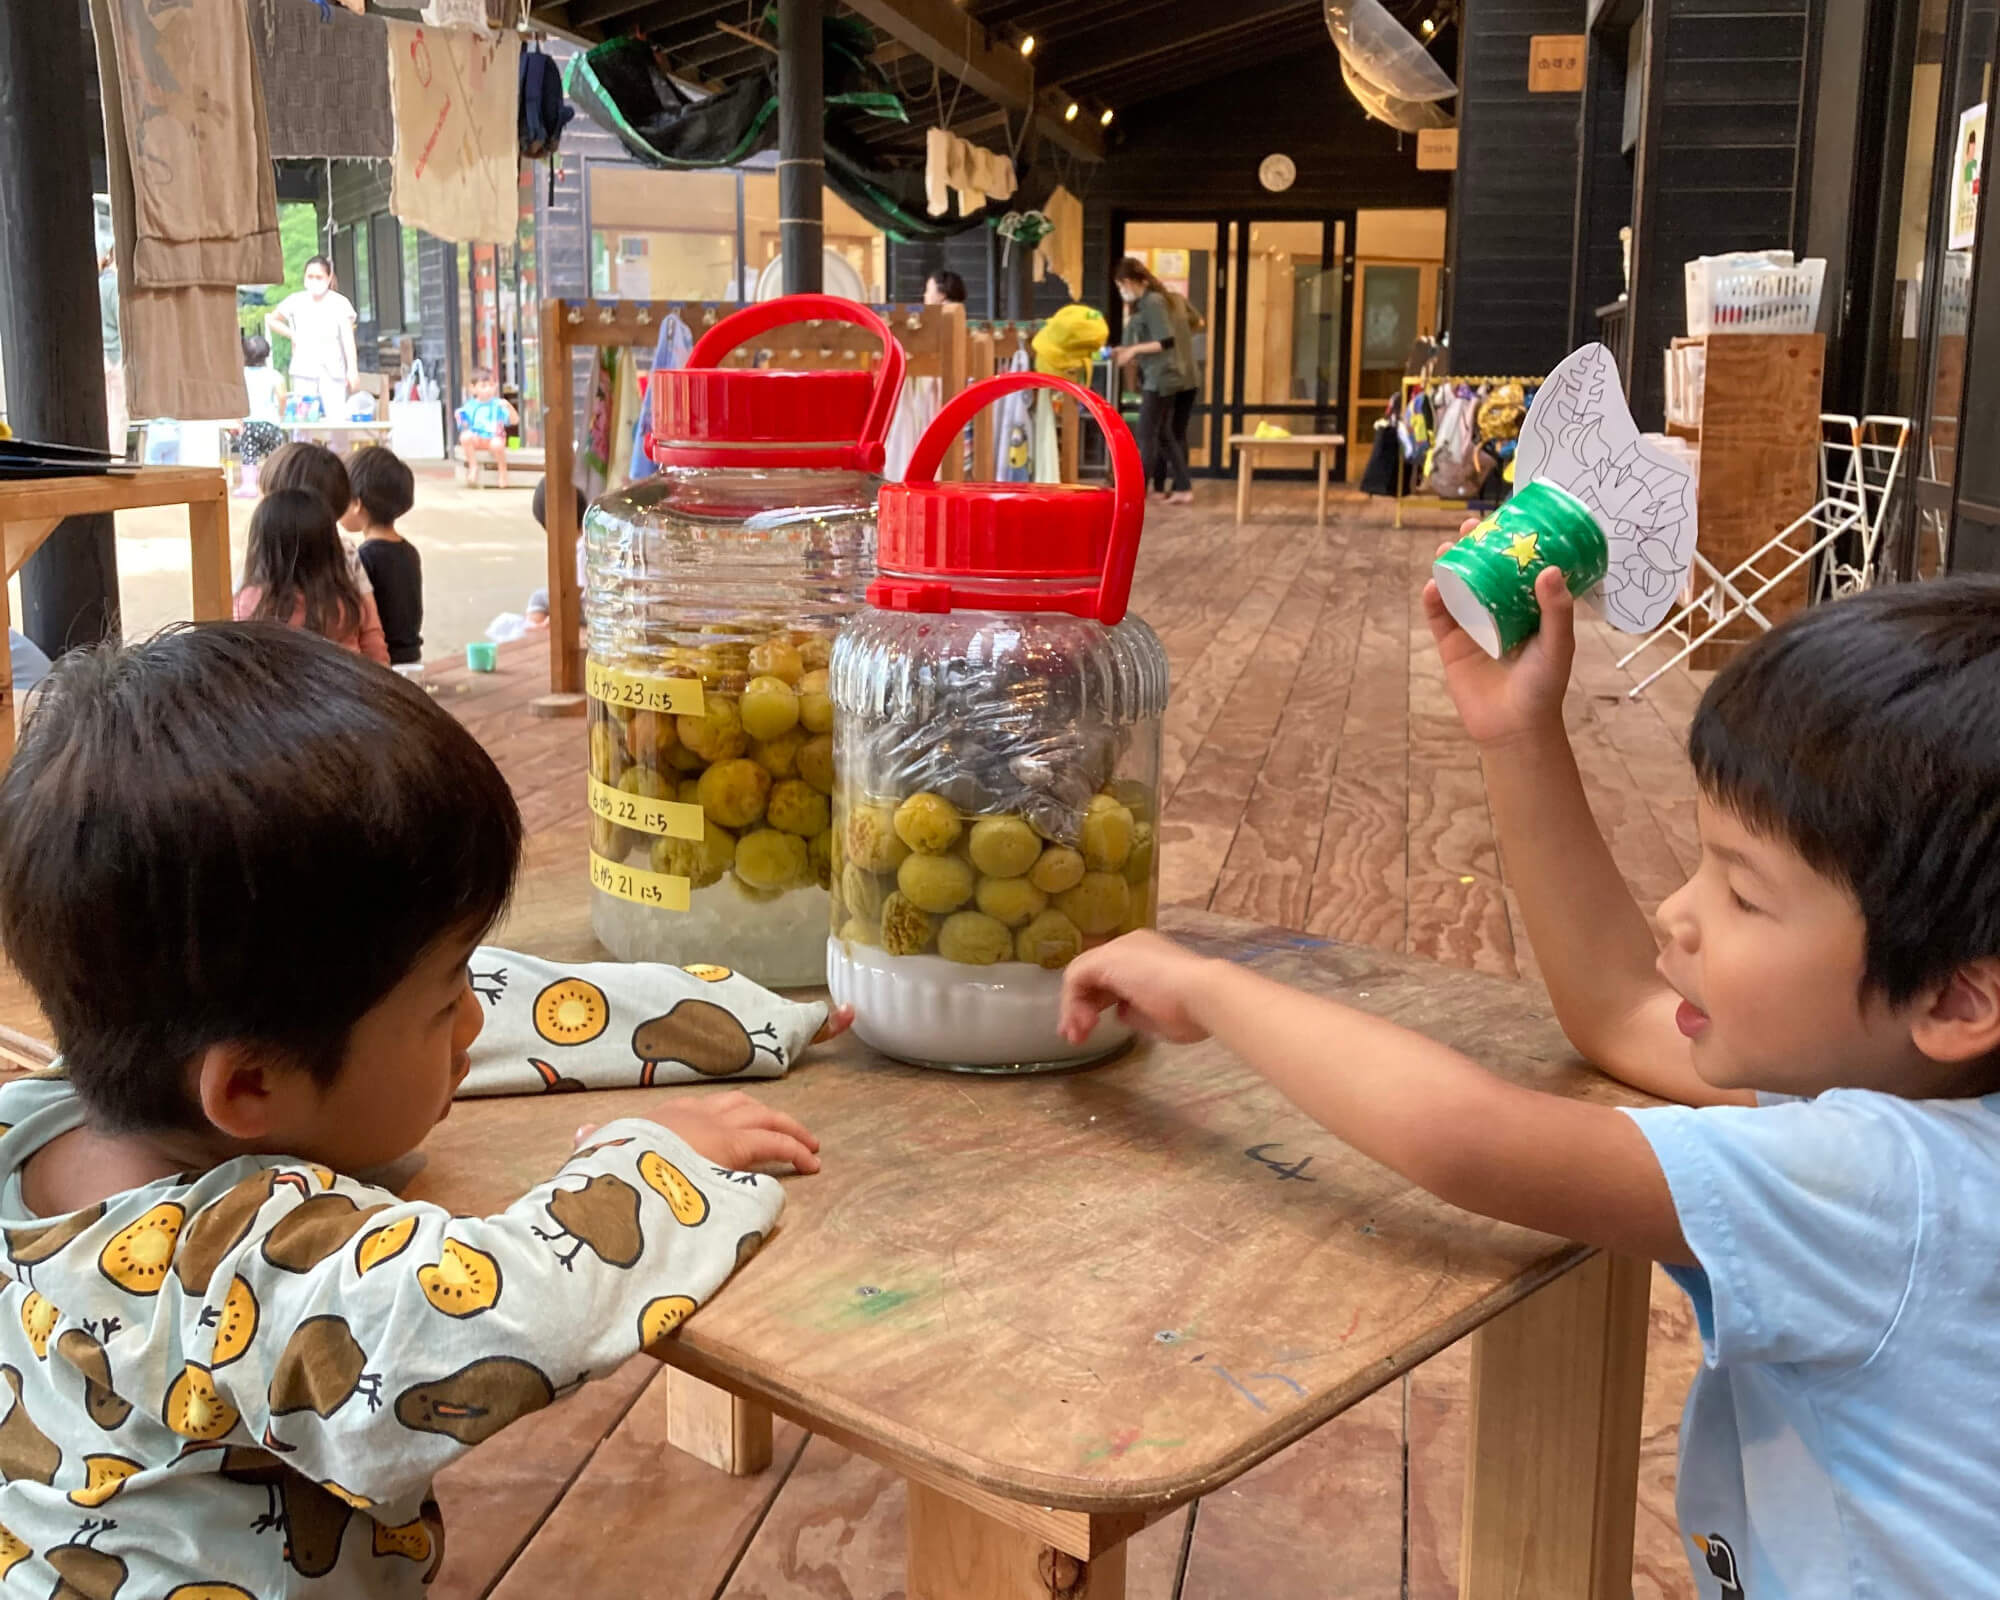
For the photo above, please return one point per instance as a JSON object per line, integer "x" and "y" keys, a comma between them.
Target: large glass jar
{"x": 997, "y": 732}
{"x": 713, "y": 592}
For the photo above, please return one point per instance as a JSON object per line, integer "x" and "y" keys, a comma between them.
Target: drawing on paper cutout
{"x": 1580, "y": 436}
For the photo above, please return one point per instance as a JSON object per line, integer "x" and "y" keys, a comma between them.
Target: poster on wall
{"x": 1966, "y": 157}
{"x": 1171, "y": 268}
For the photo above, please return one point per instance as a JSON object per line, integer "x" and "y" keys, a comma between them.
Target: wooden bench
{"x": 1249, "y": 446}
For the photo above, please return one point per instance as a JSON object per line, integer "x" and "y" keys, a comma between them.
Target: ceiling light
{"x": 1430, "y": 27}
{"x": 1027, "y": 44}
{"x": 1105, "y": 120}
{"x": 1070, "y": 114}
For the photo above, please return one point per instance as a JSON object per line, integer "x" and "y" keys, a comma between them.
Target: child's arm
{"x": 369, "y": 1341}
{"x": 372, "y": 643}
{"x": 1582, "y": 1171}
{"x": 1593, "y": 943}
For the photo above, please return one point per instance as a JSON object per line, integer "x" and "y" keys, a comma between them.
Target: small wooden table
{"x": 30, "y": 509}
{"x": 1063, "y": 1306}
{"x": 1248, "y": 447}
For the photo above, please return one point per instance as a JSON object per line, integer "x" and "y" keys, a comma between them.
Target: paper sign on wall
{"x": 1555, "y": 63}
{"x": 1437, "y": 150}
{"x": 1966, "y": 164}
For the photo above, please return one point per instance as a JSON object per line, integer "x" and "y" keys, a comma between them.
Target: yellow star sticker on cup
{"x": 1522, "y": 549}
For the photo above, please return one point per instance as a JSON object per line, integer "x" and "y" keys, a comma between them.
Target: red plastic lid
{"x": 709, "y": 416}
{"x": 932, "y": 537}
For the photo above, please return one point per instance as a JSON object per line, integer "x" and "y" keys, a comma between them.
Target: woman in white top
{"x": 319, "y": 320}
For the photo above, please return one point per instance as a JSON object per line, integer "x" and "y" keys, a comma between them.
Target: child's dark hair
{"x": 256, "y": 350}
{"x": 235, "y": 832}
{"x": 383, "y": 483}
{"x": 294, "y": 555}
{"x": 1866, "y": 735}
{"x": 304, "y": 465}
{"x": 538, "y": 504}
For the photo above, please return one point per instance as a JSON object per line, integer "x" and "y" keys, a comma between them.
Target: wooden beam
{"x": 943, "y": 34}
{"x": 1103, "y": 41}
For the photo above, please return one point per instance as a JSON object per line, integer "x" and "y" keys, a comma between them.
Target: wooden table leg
{"x": 6, "y": 669}
{"x": 1552, "y": 1466}
{"x": 208, "y": 548}
{"x": 730, "y": 1433}
{"x": 1242, "y": 484}
{"x": 1324, "y": 456}
{"x": 957, "y": 1553}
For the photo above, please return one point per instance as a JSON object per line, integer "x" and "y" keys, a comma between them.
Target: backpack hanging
{"x": 544, "y": 112}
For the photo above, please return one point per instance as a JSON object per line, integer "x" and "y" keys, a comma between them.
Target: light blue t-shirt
{"x": 1843, "y": 1437}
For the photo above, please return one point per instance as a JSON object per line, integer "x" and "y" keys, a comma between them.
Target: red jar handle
{"x": 1128, "y": 478}
{"x": 746, "y": 324}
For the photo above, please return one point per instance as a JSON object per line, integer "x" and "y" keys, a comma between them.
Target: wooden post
{"x": 801, "y": 143}
{"x": 1552, "y": 1465}
{"x": 958, "y": 1553}
{"x": 731, "y": 1434}
{"x": 53, "y": 329}
{"x": 559, "y": 503}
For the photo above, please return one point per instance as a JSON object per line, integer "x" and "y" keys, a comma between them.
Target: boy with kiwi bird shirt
{"x": 254, "y": 957}
{"x": 1823, "y": 1003}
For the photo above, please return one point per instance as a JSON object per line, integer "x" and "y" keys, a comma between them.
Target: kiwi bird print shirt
{"x": 241, "y": 1384}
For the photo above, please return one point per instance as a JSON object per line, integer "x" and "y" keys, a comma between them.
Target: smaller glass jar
{"x": 997, "y": 724}
{"x": 714, "y": 592}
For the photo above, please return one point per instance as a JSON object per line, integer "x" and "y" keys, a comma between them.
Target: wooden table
{"x": 1248, "y": 446}
{"x": 1063, "y": 1306}
{"x": 30, "y": 509}
{"x": 319, "y": 426}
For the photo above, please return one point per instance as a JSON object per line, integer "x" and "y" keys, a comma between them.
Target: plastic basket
{"x": 1726, "y": 298}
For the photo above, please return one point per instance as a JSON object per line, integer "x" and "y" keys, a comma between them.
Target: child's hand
{"x": 1501, "y": 700}
{"x": 736, "y": 1132}
{"x": 1149, "y": 979}
{"x": 838, "y": 1021}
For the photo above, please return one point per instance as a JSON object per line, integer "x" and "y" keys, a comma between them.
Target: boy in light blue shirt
{"x": 1824, "y": 1001}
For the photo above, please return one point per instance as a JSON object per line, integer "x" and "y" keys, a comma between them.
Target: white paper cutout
{"x": 1579, "y": 435}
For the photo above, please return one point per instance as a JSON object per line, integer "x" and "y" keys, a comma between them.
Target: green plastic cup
{"x": 482, "y": 655}
{"x": 1487, "y": 579}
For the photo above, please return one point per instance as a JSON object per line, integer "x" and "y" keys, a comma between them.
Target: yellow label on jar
{"x": 679, "y": 697}
{"x": 657, "y": 889}
{"x": 628, "y": 810}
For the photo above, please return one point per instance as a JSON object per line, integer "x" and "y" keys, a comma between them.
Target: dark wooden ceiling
{"x": 1104, "y": 54}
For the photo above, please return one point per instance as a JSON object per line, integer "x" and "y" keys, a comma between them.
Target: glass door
{"x": 1187, "y": 258}
{"x": 1290, "y": 291}
{"x": 1394, "y": 307}
{"x": 1274, "y": 297}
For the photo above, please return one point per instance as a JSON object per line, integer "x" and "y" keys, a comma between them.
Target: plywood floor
{"x": 1316, "y": 778}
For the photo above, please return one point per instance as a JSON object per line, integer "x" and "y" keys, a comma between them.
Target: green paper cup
{"x": 482, "y": 655}
{"x": 1487, "y": 579}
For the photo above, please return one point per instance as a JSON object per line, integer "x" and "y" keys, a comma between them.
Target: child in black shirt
{"x": 384, "y": 491}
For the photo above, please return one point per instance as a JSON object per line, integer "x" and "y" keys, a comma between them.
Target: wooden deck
{"x": 1315, "y": 777}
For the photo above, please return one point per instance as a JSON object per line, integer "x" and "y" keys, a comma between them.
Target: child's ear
{"x": 1961, "y": 1019}
{"x": 246, "y": 1093}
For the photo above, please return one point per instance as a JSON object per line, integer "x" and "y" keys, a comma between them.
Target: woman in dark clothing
{"x": 1152, "y": 341}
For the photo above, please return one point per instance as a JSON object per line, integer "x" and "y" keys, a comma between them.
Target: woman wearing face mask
{"x": 1155, "y": 339}
{"x": 319, "y": 320}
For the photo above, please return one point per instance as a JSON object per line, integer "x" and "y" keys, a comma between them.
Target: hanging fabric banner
{"x": 454, "y": 99}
